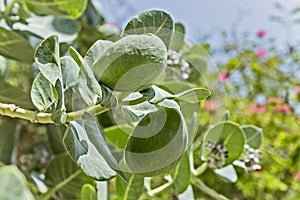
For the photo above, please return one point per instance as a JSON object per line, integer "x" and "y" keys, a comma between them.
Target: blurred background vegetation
{"x": 262, "y": 84}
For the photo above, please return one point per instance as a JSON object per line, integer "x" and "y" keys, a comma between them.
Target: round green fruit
{"x": 133, "y": 63}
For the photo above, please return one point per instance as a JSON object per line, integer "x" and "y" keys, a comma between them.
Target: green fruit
{"x": 133, "y": 63}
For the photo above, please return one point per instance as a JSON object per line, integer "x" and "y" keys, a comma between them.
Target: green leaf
{"x": 14, "y": 184}
{"x": 133, "y": 63}
{"x": 254, "y": 135}
{"x": 65, "y": 8}
{"x": 109, "y": 100}
{"x": 66, "y": 26}
{"x": 227, "y": 173}
{"x": 135, "y": 113}
{"x": 118, "y": 135}
{"x": 130, "y": 190}
{"x": 14, "y": 46}
{"x": 55, "y": 135}
{"x": 157, "y": 22}
{"x": 47, "y": 58}
{"x": 182, "y": 174}
{"x": 88, "y": 74}
{"x": 14, "y": 95}
{"x": 88, "y": 192}
{"x": 96, "y": 51}
{"x": 70, "y": 72}
{"x": 87, "y": 147}
{"x": 9, "y": 135}
{"x": 231, "y": 135}
{"x": 64, "y": 178}
{"x": 194, "y": 95}
{"x": 48, "y": 51}
{"x": 157, "y": 142}
{"x": 41, "y": 93}
{"x": 59, "y": 115}
{"x": 188, "y": 110}
{"x": 178, "y": 37}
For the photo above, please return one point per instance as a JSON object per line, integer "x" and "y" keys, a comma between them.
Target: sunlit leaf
{"x": 157, "y": 22}
{"x": 66, "y": 8}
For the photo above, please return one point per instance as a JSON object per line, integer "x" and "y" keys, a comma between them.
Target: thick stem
{"x": 201, "y": 169}
{"x": 45, "y": 118}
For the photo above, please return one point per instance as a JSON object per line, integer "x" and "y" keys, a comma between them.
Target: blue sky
{"x": 211, "y": 17}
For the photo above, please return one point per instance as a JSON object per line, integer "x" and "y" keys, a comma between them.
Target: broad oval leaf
{"x": 157, "y": 143}
{"x": 14, "y": 46}
{"x": 42, "y": 94}
{"x": 157, "y": 22}
{"x": 133, "y": 63}
{"x": 229, "y": 134}
{"x": 96, "y": 51}
{"x": 48, "y": 51}
{"x": 65, "y": 8}
{"x": 47, "y": 59}
{"x": 87, "y": 147}
{"x": 254, "y": 135}
{"x": 14, "y": 184}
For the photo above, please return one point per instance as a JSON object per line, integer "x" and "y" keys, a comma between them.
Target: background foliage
{"x": 262, "y": 87}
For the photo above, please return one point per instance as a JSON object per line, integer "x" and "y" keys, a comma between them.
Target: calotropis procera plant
{"x": 122, "y": 115}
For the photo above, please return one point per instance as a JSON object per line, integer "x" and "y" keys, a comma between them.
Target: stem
{"x": 207, "y": 190}
{"x": 13, "y": 111}
{"x": 160, "y": 188}
{"x": 201, "y": 169}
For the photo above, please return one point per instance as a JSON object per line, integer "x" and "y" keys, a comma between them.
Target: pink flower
{"x": 223, "y": 77}
{"x": 297, "y": 89}
{"x": 211, "y": 106}
{"x": 275, "y": 99}
{"x": 260, "y": 52}
{"x": 285, "y": 109}
{"x": 256, "y": 108}
{"x": 261, "y": 33}
{"x": 298, "y": 176}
